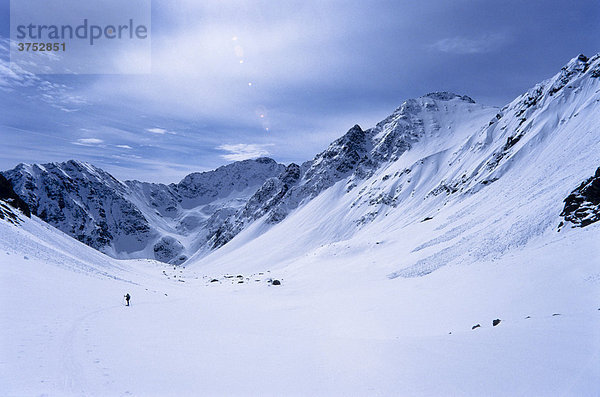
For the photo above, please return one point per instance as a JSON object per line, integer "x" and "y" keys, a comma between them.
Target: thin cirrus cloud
{"x": 156, "y": 130}
{"x": 471, "y": 45}
{"x": 159, "y": 131}
{"x": 244, "y": 151}
{"x": 88, "y": 142}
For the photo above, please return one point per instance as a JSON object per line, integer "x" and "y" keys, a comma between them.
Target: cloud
{"x": 127, "y": 167}
{"x": 14, "y": 78}
{"x": 466, "y": 45}
{"x": 156, "y": 130}
{"x": 88, "y": 141}
{"x": 60, "y": 96}
{"x": 244, "y": 151}
{"x": 282, "y": 52}
{"x": 124, "y": 146}
{"x": 160, "y": 131}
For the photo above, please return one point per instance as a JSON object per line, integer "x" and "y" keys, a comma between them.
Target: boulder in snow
{"x": 167, "y": 249}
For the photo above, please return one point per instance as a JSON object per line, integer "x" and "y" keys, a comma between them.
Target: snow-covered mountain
{"x": 442, "y": 180}
{"x": 441, "y": 148}
{"x": 417, "y": 129}
{"x": 433, "y": 153}
{"x": 136, "y": 219}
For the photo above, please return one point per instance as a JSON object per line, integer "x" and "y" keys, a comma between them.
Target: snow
{"x": 336, "y": 326}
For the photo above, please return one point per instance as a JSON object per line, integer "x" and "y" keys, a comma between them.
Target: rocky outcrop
{"x": 582, "y": 206}
{"x": 169, "y": 249}
{"x": 11, "y": 201}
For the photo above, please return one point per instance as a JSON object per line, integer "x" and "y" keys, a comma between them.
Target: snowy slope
{"x": 335, "y": 327}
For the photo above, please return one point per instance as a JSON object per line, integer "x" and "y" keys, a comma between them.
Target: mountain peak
{"x": 76, "y": 165}
{"x": 447, "y": 96}
{"x": 577, "y": 64}
{"x": 81, "y": 166}
{"x": 264, "y": 160}
{"x": 578, "y": 71}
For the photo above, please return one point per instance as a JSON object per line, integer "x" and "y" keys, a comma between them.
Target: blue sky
{"x": 315, "y": 67}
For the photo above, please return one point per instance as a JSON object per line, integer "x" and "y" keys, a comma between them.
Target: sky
{"x": 239, "y": 79}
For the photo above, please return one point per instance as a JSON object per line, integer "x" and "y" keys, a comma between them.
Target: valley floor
{"x": 66, "y": 330}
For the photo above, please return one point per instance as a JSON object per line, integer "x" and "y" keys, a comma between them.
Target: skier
{"x": 127, "y": 297}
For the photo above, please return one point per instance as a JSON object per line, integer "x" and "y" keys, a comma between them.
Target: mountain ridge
{"x": 131, "y": 218}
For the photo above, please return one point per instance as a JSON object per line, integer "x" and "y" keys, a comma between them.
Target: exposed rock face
{"x": 446, "y": 96}
{"x": 582, "y": 206}
{"x": 10, "y": 201}
{"x": 264, "y": 201}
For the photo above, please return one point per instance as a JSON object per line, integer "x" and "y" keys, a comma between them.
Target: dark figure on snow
{"x": 127, "y": 297}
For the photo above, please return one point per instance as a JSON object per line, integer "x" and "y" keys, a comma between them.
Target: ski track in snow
{"x": 75, "y": 380}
